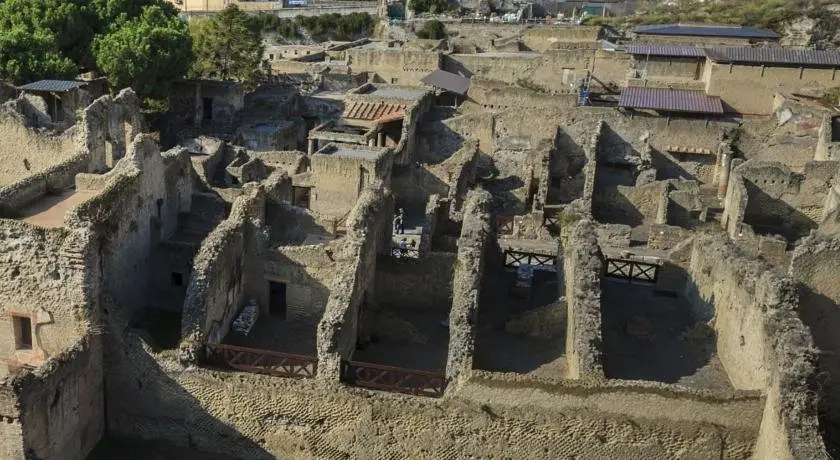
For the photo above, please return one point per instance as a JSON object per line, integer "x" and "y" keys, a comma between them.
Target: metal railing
{"x": 395, "y": 379}
{"x": 263, "y": 361}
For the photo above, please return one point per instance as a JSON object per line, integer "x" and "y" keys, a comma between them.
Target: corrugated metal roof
{"x": 671, "y": 100}
{"x": 55, "y": 86}
{"x": 774, "y": 56}
{"x": 655, "y": 50}
{"x": 706, "y": 30}
{"x": 360, "y": 110}
{"x": 448, "y": 81}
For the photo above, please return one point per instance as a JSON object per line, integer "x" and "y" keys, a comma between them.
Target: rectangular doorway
{"x": 301, "y": 196}
{"x": 277, "y": 299}
{"x": 207, "y": 105}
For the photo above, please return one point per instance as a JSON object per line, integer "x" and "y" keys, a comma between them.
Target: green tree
{"x": 146, "y": 52}
{"x": 55, "y": 26}
{"x": 227, "y": 46}
{"x": 428, "y": 6}
{"x": 27, "y": 55}
{"x": 433, "y": 29}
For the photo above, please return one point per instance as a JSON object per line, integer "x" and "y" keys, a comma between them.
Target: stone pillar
{"x": 311, "y": 149}
{"x": 380, "y": 139}
{"x": 723, "y": 177}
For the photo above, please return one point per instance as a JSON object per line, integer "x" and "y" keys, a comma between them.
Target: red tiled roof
{"x": 371, "y": 110}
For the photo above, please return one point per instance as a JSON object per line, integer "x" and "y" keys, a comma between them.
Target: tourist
{"x": 399, "y": 222}
{"x": 403, "y": 248}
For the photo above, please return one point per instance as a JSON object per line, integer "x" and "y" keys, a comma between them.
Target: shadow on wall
{"x": 822, "y": 315}
{"x": 412, "y": 185}
{"x": 507, "y": 340}
{"x": 291, "y": 225}
{"x": 668, "y": 166}
{"x": 610, "y": 206}
{"x": 772, "y": 216}
{"x": 652, "y": 337}
{"x": 436, "y": 141}
{"x": 567, "y": 163}
{"x": 505, "y": 200}
{"x": 613, "y": 148}
{"x": 145, "y": 403}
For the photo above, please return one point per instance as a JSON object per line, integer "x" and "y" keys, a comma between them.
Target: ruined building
{"x": 648, "y": 273}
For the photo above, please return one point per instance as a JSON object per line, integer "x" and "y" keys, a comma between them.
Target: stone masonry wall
{"x": 467, "y": 280}
{"x": 582, "y": 267}
{"x": 814, "y": 266}
{"x": 761, "y": 343}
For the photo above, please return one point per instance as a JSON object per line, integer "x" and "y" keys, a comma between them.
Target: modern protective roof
{"x": 448, "y": 81}
{"x": 707, "y": 29}
{"x": 360, "y": 110}
{"x": 55, "y": 86}
{"x": 655, "y": 50}
{"x": 775, "y": 56}
{"x": 670, "y": 100}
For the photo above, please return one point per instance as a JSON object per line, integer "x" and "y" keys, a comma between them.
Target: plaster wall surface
{"x": 750, "y": 89}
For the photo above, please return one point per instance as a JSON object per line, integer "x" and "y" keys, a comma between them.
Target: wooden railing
{"x": 395, "y": 379}
{"x": 263, "y": 361}
{"x": 504, "y": 225}
{"x": 515, "y": 258}
{"x": 632, "y": 271}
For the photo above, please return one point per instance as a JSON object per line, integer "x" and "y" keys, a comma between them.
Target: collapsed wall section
{"x": 761, "y": 342}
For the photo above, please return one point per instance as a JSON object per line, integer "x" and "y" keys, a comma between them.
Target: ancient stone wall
{"x": 47, "y": 281}
{"x": 55, "y": 179}
{"x": 368, "y": 233}
{"x": 25, "y": 152}
{"x": 469, "y": 270}
{"x": 338, "y": 181}
{"x": 485, "y": 94}
{"x": 62, "y": 408}
{"x": 425, "y": 283}
{"x": 761, "y": 342}
{"x": 814, "y": 266}
{"x": 780, "y": 200}
{"x": 545, "y": 38}
{"x": 108, "y": 126}
{"x": 216, "y": 287}
{"x": 394, "y": 66}
{"x": 138, "y": 207}
{"x": 582, "y": 268}
{"x": 630, "y": 205}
